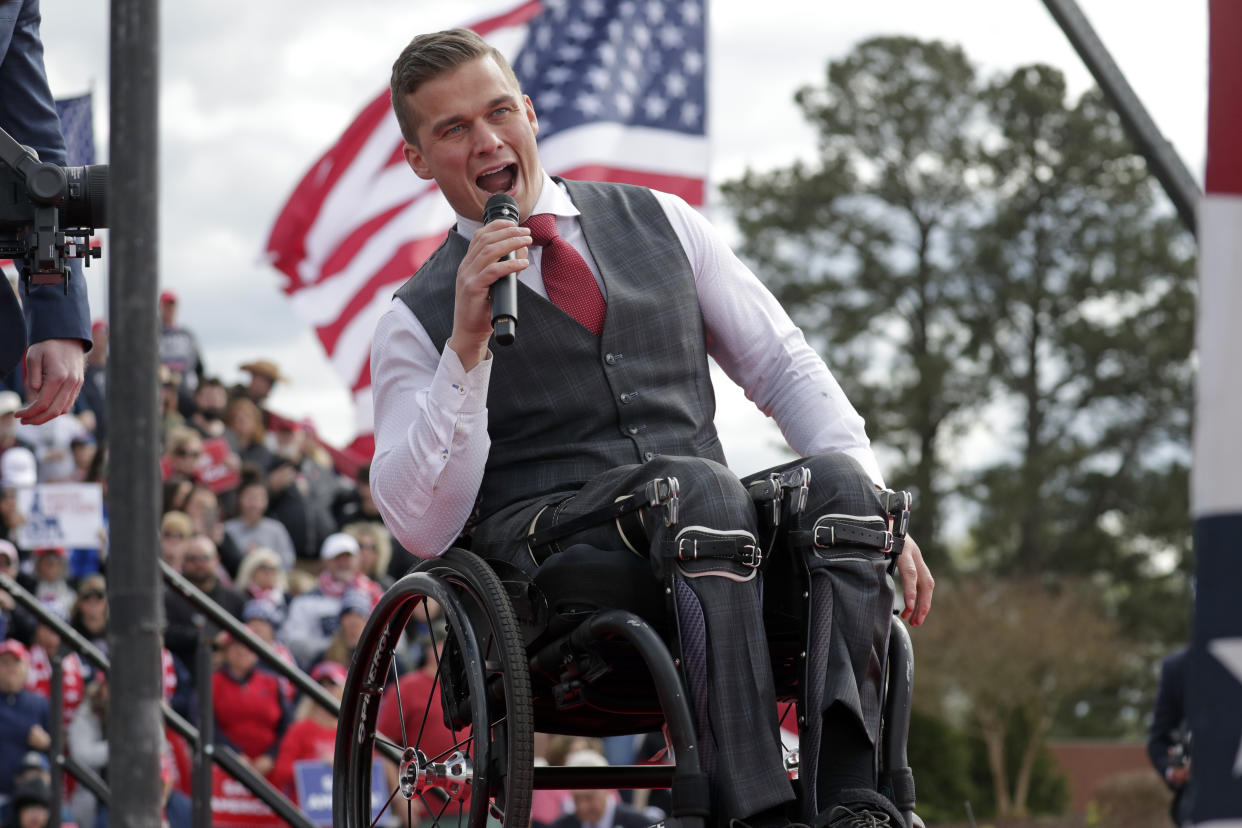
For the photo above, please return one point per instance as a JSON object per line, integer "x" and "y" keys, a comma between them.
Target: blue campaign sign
{"x": 312, "y": 778}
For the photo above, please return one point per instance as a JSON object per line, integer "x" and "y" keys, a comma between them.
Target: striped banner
{"x": 1215, "y": 691}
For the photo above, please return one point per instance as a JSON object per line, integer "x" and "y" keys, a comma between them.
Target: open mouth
{"x": 499, "y": 180}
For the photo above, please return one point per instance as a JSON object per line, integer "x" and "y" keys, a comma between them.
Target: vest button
{"x": 648, "y": 456}
{"x": 632, "y": 429}
{"x": 625, "y": 399}
{"x": 611, "y": 359}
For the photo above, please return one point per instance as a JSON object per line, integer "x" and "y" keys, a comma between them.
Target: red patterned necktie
{"x": 570, "y": 284}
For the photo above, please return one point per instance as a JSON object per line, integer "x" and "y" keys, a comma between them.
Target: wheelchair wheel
{"x": 439, "y": 766}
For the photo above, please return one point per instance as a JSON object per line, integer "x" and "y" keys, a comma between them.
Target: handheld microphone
{"x": 504, "y": 290}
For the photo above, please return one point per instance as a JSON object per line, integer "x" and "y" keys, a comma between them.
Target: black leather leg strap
{"x": 663, "y": 491}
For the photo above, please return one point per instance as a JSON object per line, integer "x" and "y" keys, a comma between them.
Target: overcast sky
{"x": 254, "y": 90}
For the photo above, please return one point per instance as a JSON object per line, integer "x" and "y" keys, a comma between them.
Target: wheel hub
{"x": 454, "y": 776}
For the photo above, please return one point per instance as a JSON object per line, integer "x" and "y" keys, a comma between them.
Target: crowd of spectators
{"x": 255, "y": 515}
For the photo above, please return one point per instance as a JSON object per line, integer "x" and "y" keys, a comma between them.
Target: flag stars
{"x": 559, "y": 75}
{"x": 628, "y": 61}
{"x": 691, "y": 113}
{"x": 691, "y": 14}
{"x": 579, "y": 30}
{"x": 550, "y": 99}
{"x": 599, "y": 77}
{"x": 655, "y": 107}
{"x": 590, "y": 105}
{"x": 671, "y": 38}
{"x": 675, "y": 85}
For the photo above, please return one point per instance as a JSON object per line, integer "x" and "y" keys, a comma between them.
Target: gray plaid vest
{"x": 565, "y": 405}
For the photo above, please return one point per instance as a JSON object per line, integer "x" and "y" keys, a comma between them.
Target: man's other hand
{"x": 916, "y": 583}
{"x": 54, "y": 370}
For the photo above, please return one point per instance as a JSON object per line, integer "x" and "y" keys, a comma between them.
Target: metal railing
{"x": 199, "y": 738}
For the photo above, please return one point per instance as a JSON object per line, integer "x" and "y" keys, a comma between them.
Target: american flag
{"x": 620, "y": 90}
{"x": 77, "y": 125}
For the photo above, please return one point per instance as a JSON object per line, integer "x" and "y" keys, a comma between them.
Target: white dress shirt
{"x": 431, "y": 440}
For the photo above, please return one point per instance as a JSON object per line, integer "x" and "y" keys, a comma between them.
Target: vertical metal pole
{"x": 134, "y": 596}
{"x": 1163, "y": 160}
{"x": 1215, "y": 664}
{"x": 57, "y": 752}
{"x": 206, "y": 723}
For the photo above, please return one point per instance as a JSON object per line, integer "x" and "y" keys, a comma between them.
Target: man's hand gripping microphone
{"x": 504, "y": 290}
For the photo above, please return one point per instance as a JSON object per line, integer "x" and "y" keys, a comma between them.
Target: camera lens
{"x": 86, "y": 203}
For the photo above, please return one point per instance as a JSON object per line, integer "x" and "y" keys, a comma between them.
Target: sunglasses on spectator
{"x": 172, "y": 534}
{"x": 93, "y": 594}
{"x": 184, "y": 452}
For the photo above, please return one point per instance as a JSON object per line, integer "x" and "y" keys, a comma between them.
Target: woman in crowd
{"x": 260, "y": 576}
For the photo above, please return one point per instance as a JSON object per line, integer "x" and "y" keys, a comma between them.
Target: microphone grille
{"x": 501, "y": 206}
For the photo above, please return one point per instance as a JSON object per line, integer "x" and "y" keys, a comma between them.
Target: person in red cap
{"x": 24, "y": 720}
{"x": 312, "y": 736}
{"x": 179, "y": 351}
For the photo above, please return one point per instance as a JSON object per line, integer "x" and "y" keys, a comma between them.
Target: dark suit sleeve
{"x": 1168, "y": 713}
{"x": 27, "y": 110}
{"x": 28, "y": 113}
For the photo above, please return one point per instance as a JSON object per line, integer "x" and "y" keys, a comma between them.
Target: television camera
{"x": 48, "y": 213}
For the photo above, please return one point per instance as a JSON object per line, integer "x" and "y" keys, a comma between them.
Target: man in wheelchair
{"x": 595, "y": 429}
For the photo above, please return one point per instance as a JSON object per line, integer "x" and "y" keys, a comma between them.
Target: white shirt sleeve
{"x": 431, "y": 438}
{"x": 759, "y": 347}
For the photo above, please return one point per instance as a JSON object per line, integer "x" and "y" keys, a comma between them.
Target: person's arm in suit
{"x": 58, "y": 322}
{"x": 1168, "y": 714}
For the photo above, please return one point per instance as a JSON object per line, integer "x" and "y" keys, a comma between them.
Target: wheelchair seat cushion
{"x": 583, "y": 579}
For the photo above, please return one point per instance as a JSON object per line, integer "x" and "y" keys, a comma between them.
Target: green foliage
{"x": 940, "y": 756}
{"x": 860, "y": 248}
{"x": 992, "y": 257}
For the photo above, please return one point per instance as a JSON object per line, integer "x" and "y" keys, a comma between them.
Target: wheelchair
{"x": 577, "y": 649}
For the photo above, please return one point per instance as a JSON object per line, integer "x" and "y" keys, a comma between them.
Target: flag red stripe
{"x": 515, "y": 17}
{"x": 1224, "y": 158}
{"x": 287, "y": 239}
{"x": 401, "y": 264}
{"x": 689, "y": 188}
{"x": 354, "y": 242}
{"x": 364, "y": 377}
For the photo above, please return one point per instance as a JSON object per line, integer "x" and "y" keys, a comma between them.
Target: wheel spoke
{"x": 396, "y": 682}
{"x": 380, "y": 815}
